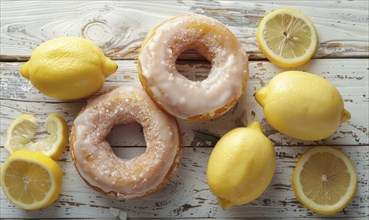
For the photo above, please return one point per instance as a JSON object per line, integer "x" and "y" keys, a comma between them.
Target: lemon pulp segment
{"x": 21, "y": 132}
{"x": 287, "y": 36}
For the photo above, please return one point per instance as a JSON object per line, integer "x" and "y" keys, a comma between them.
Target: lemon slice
{"x": 287, "y": 37}
{"x": 31, "y": 180}
{"x": 324, "y": 180}
{"x": 21, "y": 133}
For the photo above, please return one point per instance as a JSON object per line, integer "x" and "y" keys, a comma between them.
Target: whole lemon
{"x": 302, "y": 105}
{"x": 68, "y": 68}
{"x": 241, "y": 166}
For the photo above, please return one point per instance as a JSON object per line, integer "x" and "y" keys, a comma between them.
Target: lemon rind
{"x": 58, "y": 146}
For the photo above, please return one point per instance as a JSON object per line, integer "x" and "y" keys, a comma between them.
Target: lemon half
{"x": 287, "y": 37}
{"x": 31, "y": 180}
{"x": 21, "y": 133}
{"x": 324, "y": 180}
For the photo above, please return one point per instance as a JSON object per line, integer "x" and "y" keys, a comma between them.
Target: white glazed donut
{"x": 101, "y": 168}
{"x": 175, "y": 93}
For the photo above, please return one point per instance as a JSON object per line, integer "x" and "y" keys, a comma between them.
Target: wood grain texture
{"x": 350, "y": 77}
{"x": 188, "y": 195}
{"x": 120, "y": 26}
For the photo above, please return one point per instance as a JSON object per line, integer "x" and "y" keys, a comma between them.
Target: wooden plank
{"x": 351, "y": 78}
{"x": 120, "y": 26}
{"x": 188, "y": 196}
{"x": 342, "y": 73}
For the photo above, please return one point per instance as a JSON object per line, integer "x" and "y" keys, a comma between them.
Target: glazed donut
{"x": 175, "y": 93}
{"x": 95, "y": 160}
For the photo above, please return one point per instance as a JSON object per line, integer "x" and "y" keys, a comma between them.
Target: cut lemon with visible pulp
{"x": 324, "y": 180}
{"x": 287, "y": 37}
{"x": 21, "y": 133}
{"x": 31, "y": 180}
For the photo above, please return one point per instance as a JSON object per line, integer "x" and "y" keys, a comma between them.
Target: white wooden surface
{"x": 119, "y": 27}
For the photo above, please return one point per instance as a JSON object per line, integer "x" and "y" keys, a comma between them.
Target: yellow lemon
{"x": 68, "y": 68}
{"x": 324, "y": 180}
{"x": 31, "y": 180}
{"x": 287, "y": 37}
{"x": 302, "y": 105}
{"x": 21, "y": 133}
{"x": 241, "y": 166}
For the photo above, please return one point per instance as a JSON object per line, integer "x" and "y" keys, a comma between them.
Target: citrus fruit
{"x": 21, "y": 133}
{"x": 287, "y": 37}
{"x": 241, "y": 166}
{"x": 302, "y": 105}
{"x": 31, "y": 180}
{"x": 324, "y": 180}
{"x": 68, "y": 68}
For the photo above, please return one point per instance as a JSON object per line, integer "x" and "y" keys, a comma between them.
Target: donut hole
{"x": 126, "y": 135}
{"x": 193, "y": 70}
{"x": 127, "y": 153}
